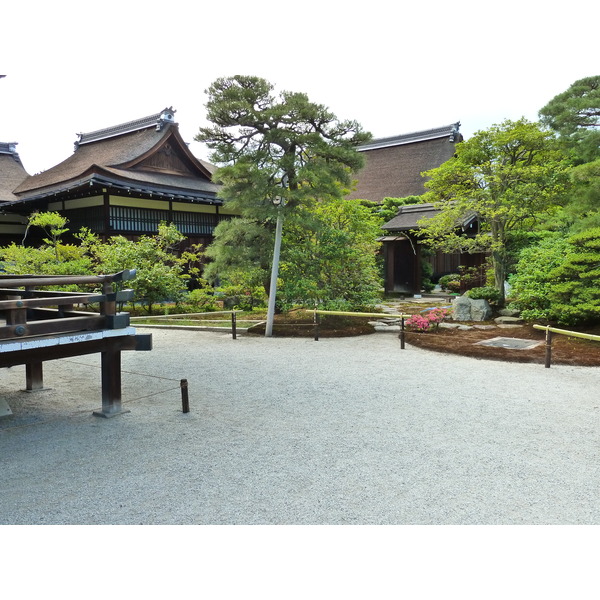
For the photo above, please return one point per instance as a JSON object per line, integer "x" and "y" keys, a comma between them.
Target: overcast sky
{"x": 396, "y": 67}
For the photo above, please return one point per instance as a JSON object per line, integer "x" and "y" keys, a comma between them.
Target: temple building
{"x": 393, "y": 169}
{"x": 122, "y": 180}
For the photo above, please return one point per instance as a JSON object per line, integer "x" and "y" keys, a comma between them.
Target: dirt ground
{"x": 565, "y": 350}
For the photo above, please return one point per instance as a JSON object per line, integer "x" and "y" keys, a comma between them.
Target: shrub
{"x": 450, "y": 283}
{"x": 202, "y": 300}
{"x": 489, "y": 293}
{"x": 426, "y": 321}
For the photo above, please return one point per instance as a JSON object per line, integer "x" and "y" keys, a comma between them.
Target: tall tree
{"x": 509, "y": 175}
{"x": 276, "y": 145}
{"x": 279, "y": 154}
{"x": 575, "y": 116}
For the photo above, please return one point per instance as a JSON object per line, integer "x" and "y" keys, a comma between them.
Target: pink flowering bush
{"x": 426, "y": 321}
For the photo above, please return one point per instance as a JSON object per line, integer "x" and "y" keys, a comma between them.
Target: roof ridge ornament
{"x": 450, "y": 131}
{"x": 158, "y": 120}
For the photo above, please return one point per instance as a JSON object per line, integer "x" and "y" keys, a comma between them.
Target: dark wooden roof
{"x": 408, "y": 216}
{"x": 393, "y": 165}
{"x": 147, "y": 155}
{"x": 12, "y": 172}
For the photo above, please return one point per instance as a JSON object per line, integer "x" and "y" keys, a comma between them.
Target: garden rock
{"x": 480, "y": 310}
{"x": 461, "y": 309}
{"x": 509, "y": 312}
{"x": 508, "y": 320}
{"x": 466, "y": 309}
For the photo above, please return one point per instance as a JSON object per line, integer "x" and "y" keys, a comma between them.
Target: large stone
{"x": 508, "y": 320}
{"x": 461, "y": 309}
{"x": 480, "y": 310}
{"x": 466, "y": 309}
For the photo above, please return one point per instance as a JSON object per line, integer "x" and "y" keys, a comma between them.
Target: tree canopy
{"x": 508, "y": 176}
{"x": 575, "y": 116}
{"x": 283, "y": 155}
{"x": 276, "y": 145}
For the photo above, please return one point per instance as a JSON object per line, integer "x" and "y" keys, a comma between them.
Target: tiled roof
{"x": 12, "y": 172}
{"x": 114, "y": 154}
{"x": 451, "y": 132}
{"x": 407, "y": 217}
{"x": 393, "y": 165}
{"x": 158, "y": 120}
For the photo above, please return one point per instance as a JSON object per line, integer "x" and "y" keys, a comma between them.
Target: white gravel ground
{"x": 293, "y": 431}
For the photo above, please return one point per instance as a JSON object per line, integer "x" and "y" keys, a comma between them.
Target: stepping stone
{"x": 510, "y": 343}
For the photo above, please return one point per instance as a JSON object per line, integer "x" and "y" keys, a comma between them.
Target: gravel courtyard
{"x": 293, "y": 431}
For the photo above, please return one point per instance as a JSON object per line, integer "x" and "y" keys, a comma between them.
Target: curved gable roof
{"x": 12, "y": 170}
{"x": 127, "y": 151}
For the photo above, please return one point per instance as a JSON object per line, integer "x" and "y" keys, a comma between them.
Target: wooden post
{"x": 185, "y": 401}
{"x": 402, "y": 333}
{"x": 34, "y": 377}
{"x": 233, "y": 327}
{"x": 548, "y": 348}
{"x": 316, "y": 322}
{"x": 111, "y": 383}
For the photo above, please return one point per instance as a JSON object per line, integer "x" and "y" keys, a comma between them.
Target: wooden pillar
{"x": 111, "y": 383}
{"x": 418, "y": 258}
{"x": 34, "y": 377}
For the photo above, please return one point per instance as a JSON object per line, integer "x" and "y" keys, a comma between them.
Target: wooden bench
{"x": 37, "y": 325}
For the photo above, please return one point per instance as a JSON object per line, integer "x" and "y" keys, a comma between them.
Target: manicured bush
{"x": 426, "y": 321}
{"x": 489, "y": 293}
{"x": 450, "y": 283}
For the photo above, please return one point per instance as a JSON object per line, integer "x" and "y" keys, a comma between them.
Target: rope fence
{"x": 551, "y": 330}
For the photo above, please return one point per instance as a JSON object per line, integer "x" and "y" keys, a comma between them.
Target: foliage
{"x": 160, "y": 274}
{"x": 450, "y": 282}
{"x": 575, "y": 288}
{"x": 240, "y": 245}
{"x": 276, "y": 146}
{"x": 388, "y": 209}
{"x": 426, "y": 321}
{"x": 52, "y": 258}
{"x": 491, "y": 294}
{"x": 332, "y": 262}
{"x": 202, "y": 298}
{"x": 283, "y": 156}
{"x": 506, "y": 176}
{"x": 242, "y": 291}
{"x": 575, "y": 116}
{"x": 559, "y": 279}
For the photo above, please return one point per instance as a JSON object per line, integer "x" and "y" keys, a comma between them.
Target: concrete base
{"x": 4, "y": 409}
{"x": 99, "y": 413}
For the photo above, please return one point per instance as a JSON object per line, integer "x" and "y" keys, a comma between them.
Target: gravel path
{"x": 292, "y": 431}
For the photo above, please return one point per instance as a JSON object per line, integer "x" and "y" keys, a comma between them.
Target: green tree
{"x": 280, "y": 156}
{"x": 274, "y": 146}
{"x": 509, "y": 176}
{"x": 160, "y": 273}
{"x": 388, "y": 209}
{"x": 575, "y": 116}
{"x": 575, "y": 289}
{"x": 334, "y": 263}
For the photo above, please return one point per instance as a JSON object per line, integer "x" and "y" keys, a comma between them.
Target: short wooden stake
{"x": 316, "y": 324}
{"x": 185, "y": 401}
{"x": 548, "y": 348}
{"x": 233, "y": 325}
{"x": 402, "y": 333}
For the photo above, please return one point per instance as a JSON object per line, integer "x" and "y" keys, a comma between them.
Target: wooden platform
{"x": 41, "y": 325}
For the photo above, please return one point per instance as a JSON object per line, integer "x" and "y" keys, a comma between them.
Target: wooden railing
{"x": 366, "y": 315}
{"x": 37, "y": 325}
{"x": 551, "y": 330}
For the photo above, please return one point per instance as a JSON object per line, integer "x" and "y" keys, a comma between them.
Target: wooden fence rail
{"x": 366, "y": 315}
{"x": 551, "y": 330}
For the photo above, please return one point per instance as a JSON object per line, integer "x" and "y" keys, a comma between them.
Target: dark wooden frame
{"x": 48, "y": 321}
